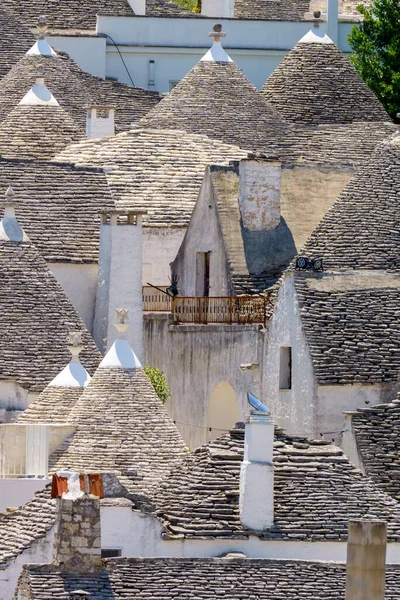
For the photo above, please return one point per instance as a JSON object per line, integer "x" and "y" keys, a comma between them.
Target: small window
{"x": 111, "y": 552}
{"x": 285, "y": 368}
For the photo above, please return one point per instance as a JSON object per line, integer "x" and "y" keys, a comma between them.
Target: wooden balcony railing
{"x": 155, "y": 301}
{"x": 239, "y": 309}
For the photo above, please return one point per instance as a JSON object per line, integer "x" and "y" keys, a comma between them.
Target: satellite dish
{"x": 257, "y": 404}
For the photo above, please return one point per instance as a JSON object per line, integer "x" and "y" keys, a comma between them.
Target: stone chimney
{"x": 120, "y": 278}
{"x": 138, "y": 7}
{"x": 218, "y": 8}
{"x": 100, "y": 122}
{"x": 77, "y": 537}
{"x": 256, "y": 500}
{"x": 260, "y": 193}
{"x": 366, "y": 560}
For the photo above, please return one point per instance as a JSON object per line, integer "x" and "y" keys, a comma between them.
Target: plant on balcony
{"x": 159, "y": 383}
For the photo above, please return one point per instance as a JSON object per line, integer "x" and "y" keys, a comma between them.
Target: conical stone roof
{"x": 74, "y": 89}
{"x": 316, "y": 83}
{"x": 35, "y": 314}
{"x": 38, "y": 127}
{"x": 361, "y": 230}
{"x": 216, "y": 99}
{"x": 121, "y": 426}
{"x": 15, "y": 40}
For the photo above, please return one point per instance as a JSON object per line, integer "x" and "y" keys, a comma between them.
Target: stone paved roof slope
{"x": 287, "y": 10}
{"x": 21, "y": 528}
{"x": 155, "y": 170}
{"x": 376, "y": 431}
{"x": 316, "y": 83}
{"x": 216, "y": 99}
{"x": 37, "y": 132}
{"x": 122, "y": 427}
{"x": 72, "y": 14}
{"x": 202, "y": 579}
{"x": 316, "y": 491}
{"x": 334, "y": 144}
{"x": 53, "y": 405}
{"x": 15, "y": 40}
{"x": 58, "y": 206}
{"x": 74, "y": 90}
{"x": 35, "y": 319}
{"x": 361, "y": 230}
{"x": 353, "y": 335}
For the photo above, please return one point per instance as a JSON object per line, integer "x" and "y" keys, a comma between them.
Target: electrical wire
{"x": 201, "y": 426}
{"x": 121, "y": 57}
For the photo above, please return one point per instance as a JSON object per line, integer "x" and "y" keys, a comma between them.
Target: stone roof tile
{"x": 361, "y": 230}
{"x": 353, "y": 335}
{"x": 122, "y": 427}
{"x": 376, "y": 431}
{"x": 73, "y": 14}
{"x": 35, "y": 319}
{"x": 288, "y": 10}
{"x": 316, "y": 491}
{"x": 15, "y": 40}
{"x": 216, "y": 99}
{"x": 155, "y": 170}
{"x": 316, "y": 83}
{"x": 37, "y": 132}
{"x": 74, "y": 90}
{"x": 58, "y": 205}
{"x": 201, "y": 579}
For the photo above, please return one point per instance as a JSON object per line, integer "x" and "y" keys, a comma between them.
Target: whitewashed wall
{"x": 79, "y": 282}
{"x": 292, "y": 409}
{"x": 256, "y": 46}
{"x": 160, "y": 247}
{"x": 195, "y": 359}
{"x": 17, "y": 492}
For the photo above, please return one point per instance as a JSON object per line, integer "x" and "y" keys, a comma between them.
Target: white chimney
{"x": 366, "y": 560}
{"x": 100, "y": 122}
{"x": 256, "y": 500}
{"x": 138, "y": 7}
{"x": 260, "y": 193}
{"x": 332, "y": 26}
{"x": 119, "y": 278}
{"x": 218, "y": 8}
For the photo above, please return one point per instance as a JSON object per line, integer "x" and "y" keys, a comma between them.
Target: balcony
{"x": 208, "y": 309}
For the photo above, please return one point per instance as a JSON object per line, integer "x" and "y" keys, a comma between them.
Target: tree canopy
{"x": 376, "y": 51}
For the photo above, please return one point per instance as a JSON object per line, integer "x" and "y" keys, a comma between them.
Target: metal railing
{"x": 229, "y": 310}
{"x": 155, "y": 301}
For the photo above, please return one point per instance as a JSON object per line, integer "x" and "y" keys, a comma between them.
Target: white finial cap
{"x": 216, "y": 53}
{"x": 10, "y": 229}
{"x": 121, "y": 354}
{"x": 39, "y": 95}
{"x": 74, "y": 374}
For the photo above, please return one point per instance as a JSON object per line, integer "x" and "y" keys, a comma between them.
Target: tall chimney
{"x": 260, "y": 193}
{"x": 119, "y": 278}
{"x": 256, "y": 500}
{"x": 366, "y": 560}
{"x": 332, "y": 26}
{"x": 100, "y": 122}
{"x": 77, "y": 537}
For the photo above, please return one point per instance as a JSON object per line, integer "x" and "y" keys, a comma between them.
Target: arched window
{"x": 223, "y": 410}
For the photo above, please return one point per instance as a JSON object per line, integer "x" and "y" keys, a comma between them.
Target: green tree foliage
{"x": 159, "y": 383}
{"x": 194, "y": 5}
{"x": 376, "y": 51}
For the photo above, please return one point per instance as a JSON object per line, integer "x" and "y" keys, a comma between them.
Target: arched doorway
{"x": 223, "y": 410}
